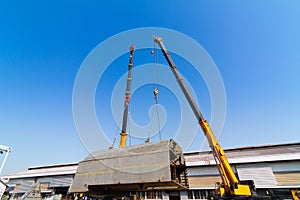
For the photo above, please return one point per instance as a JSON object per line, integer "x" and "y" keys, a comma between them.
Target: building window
{"x": 140, "y": 195}
{"x": 154, "y": 194}
{"x": 197, "y": 194}
{"x": 158, "y": 194}
{"x": 204, "y": 194}
{"x": 151, "y": 194}
{"x": 190, "y": 194}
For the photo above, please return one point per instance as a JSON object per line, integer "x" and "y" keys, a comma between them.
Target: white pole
{"x": 7, "y": 150}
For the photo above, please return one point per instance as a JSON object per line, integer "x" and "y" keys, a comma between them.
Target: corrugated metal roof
{"x": 248, "y": 155}
{"x": 25, "y": 186}
{"x": 44, "y": 179}
{"x": 51, "y": 182}
{"x": 283, "y": 145}
{"x": 61, "y": 181}
{"x": 286, "y": 166}
{"x": 204, "y": 181}
{"x": 45, "y": 171}
{"x": 261, "y": 174}
{"x": 291, "y": 178}
{"x": 196, "y": 160}
{"x": 201, "y": 171}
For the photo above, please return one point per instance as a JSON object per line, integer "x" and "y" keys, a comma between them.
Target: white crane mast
{"x": 6, "y": 150}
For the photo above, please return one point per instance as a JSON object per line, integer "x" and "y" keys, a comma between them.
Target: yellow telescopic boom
{"x": 127, "y": 99}
{"x": 231, "y": 186}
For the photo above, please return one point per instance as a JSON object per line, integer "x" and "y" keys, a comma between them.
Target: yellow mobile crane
{"x": 127, "y": 99}
{"x": 230, "y": 186}
{"x": 295, "y": 194}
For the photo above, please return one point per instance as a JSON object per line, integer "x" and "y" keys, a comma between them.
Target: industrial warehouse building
{"x": 273, "y": 168}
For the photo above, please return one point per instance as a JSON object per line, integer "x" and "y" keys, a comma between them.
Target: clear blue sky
{"x": 255, "y": 45}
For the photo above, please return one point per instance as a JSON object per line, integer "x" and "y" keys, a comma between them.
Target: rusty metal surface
{"x": 132, "y": 168}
